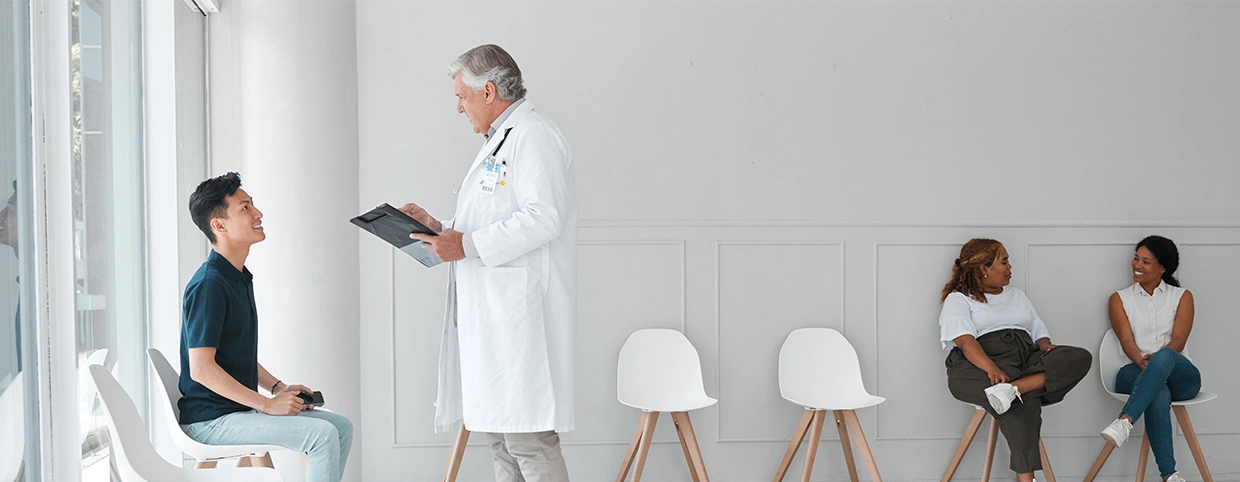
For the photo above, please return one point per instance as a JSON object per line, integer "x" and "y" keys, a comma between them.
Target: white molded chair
{"x": 87, "y": 413}
{"x": 206, "y": 455}
{"x": 1111, "y": 358}
{"x": 12, "y": 429}
{"x": 992, "y": 438}
{"x": 659, "y": 371}
{"x": 818, "y": 370}
{"x": 137, "y": 460}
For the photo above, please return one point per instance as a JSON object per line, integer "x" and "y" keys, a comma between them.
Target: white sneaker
{"x": 1117, "y": 433}
{"x": 1175, "y": 477}
{"x": 1001, "y": 396}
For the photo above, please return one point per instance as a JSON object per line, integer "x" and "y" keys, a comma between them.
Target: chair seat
{"x": 223, "y": 452}
{"x": 681, "y": 405}
{"x": 839, "y": 403}
{"x": 1201, "y": 397}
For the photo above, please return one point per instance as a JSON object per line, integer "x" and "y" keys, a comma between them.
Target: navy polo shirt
{"x": 218, "y": 312}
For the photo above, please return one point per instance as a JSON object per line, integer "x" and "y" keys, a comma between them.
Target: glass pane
{"x": 19, "y": 434}
{"x": 107, "y": 213}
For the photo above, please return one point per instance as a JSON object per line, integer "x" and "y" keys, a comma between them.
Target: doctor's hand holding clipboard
{"x": 448, "y": 246}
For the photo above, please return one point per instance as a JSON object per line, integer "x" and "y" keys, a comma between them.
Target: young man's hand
{"x": 285, "y": 403}
{"x": 296, "y": 389}
{"x": 299, "y": 389}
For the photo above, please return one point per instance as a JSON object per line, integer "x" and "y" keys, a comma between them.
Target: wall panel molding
{"x": 878, "y": 346}
{"x": 719, "y": 244}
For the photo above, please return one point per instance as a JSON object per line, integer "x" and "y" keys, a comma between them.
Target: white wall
{"x": 747, "y": 168}
{"x": 284, "y": 115}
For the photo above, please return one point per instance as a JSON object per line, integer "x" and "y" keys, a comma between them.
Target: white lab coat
{"x": 506, "y": 359}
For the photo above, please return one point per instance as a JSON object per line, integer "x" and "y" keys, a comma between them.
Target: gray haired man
{"x": 506, "y": 359}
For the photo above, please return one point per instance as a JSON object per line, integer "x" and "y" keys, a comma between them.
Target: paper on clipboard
{"x": 394, "y": 226}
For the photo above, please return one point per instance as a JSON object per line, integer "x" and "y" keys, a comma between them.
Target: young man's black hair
{"x": 208, "y": 201}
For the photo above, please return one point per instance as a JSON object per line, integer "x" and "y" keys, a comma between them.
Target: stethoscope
{"x": 490, "y": 159}
{"x": 502, "y": 162}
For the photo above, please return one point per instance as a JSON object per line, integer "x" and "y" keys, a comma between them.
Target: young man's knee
{"x": 345, "y": 425}
{"x": 321, "y": 432}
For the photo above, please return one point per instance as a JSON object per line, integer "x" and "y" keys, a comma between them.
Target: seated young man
{"x": 220, "y": 373}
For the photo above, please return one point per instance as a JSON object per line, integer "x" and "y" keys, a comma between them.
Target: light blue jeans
{"x": 1168, "y": 376}
{"x": 325, "y": 437}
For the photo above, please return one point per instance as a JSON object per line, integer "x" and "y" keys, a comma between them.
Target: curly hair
{"x": 967, "y": 270}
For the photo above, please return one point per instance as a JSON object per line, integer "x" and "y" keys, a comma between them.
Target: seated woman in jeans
{"x": 1152, "y": 319}
{"x": 1003, "y": 358}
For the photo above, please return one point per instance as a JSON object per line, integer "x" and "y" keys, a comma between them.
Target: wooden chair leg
{"x": 1190, "y": 436}
{"x": 627, "y": 463}
{"x": 696, "y": 465}
{"x": 1046, "y": 462}
{"x": 1145, "y": 457}
{"x": 992, "y": 438}
{"x": 842, "y": 427}
{"x": 206, "y": 464}
{"x": 794, "y": 445}
{"x": 1102, "y": 459}
{"x": 862, "y": 445}
{"x": 454, "y": 459}
{"x": 643, "y": 448}
{"x": 970, "y": 433}
{"x": 815, "y": 434}
{"x": 684, "y": 446}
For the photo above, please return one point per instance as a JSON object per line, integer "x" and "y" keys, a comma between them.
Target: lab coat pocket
{"x": 498, "y": 202}
{"x": 505, "y": 291}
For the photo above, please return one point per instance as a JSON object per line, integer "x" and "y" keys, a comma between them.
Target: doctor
{"x": 506, "y": 360}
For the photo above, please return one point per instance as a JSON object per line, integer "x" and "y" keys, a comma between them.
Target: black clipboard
{"x": 394, "y": 226}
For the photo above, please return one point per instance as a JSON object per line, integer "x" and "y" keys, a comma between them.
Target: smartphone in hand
{"x": 315, "y": 400}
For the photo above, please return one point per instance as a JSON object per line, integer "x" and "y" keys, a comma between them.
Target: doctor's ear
{"x": 217, "y": 224}
{"x": 489, "y": 92}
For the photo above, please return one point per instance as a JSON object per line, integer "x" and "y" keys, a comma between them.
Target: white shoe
{"x": 1175, "y": 477}
{"x": 1001, "y": 396}
{"x": 1117, "y": 433}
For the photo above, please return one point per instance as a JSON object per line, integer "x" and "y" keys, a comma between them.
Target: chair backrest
{"x": 658, "y": 367}
{"x": 12, "y": 429}
{"x": 136, "y": 458}
{"x": 819, "y": 364}
{"x": 1111, "y": 358}
{"x": 86, "y": 389}
{"x": 169, "y": 379}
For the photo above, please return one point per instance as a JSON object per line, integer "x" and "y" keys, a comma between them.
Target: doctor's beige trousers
{"x": 527, "y": 457}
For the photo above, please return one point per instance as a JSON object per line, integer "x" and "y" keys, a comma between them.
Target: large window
{"x": 18, "y": 399}
{"x": 106, "y": 157}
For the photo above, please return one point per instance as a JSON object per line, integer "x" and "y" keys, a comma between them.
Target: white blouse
{"x": 1010, "y": 309}
{"x": 1151, "y": 316}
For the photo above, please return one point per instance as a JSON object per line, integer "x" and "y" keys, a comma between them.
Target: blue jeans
{"x": 1168, "y": 376}
{"x": 325, "y": 437}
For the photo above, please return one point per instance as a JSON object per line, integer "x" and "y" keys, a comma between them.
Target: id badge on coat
{"x": 491, "y": 178}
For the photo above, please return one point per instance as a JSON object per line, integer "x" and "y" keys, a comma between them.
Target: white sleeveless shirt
{"x": 1151, "y": 316}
